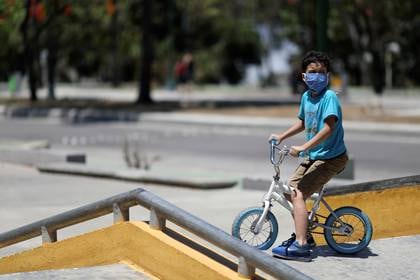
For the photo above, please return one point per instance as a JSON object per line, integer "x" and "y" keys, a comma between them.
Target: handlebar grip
{"x": 302, "y": 154}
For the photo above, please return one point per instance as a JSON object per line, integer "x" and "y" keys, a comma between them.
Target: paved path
{"x": 116, "y": 271}
{"x": 399, "y": 104}
{"x": 26, "y": 196}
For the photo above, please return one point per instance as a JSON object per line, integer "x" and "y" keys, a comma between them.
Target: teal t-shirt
{"x": 313, "y": 111}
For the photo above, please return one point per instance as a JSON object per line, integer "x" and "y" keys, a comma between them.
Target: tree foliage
{"x": 11, "y": 16}
{"x": 221, "y": 35}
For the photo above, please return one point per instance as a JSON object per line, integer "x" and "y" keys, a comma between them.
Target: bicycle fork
{"x": 257, "y": 224}
{"x": 278, "y": 196}
{"x": 257, "y": 228}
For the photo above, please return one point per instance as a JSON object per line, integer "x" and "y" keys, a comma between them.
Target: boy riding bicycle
{"x": 320, "y": 117}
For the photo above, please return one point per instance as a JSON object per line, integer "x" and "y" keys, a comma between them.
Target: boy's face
{"x": 316, "y": 82}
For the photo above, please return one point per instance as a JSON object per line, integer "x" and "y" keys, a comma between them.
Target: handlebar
{"x": 283, "y": 152}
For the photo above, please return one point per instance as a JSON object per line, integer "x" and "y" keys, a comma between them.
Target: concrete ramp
{"x": 150, "y": 251}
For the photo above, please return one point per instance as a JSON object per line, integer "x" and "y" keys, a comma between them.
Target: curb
{"x": 189, "y": 181}
{"x": 24, "y": 145}
{"x": 71, "y": 115}
{"x": 31, "y": 156}
{"x": 267, "y": 122}
{"x": 86, "y": 115}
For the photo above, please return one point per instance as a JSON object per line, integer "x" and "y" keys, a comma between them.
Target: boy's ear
{"x": 303, "y": 76}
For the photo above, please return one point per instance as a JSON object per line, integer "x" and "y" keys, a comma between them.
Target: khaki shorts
{"x": 312, "y": 175}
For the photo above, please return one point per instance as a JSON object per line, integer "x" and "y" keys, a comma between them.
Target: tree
{"x": 111, "y": 40}
{"x": 34, "y": 23}
{"x": 359, "y": 33}
{"x": 11, "y": 51}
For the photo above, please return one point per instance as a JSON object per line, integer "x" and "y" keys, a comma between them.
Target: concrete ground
{"x": 27, "y": 196}
{"x": 116, "y": 271}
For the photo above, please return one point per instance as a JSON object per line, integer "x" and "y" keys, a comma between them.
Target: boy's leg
{"x": 294, "y": 180}
{"x": 300, "y": 217}
{"x": 309, "y": 178}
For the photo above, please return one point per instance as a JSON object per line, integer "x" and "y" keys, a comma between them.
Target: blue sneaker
{"x": 309, "y": 240}
{"x": 294, "y": 251}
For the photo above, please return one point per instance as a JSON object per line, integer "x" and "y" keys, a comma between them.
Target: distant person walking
{"x": 184, "y": 69}
{"x": 378, "y": 78}
{"x": 184, "y": 74}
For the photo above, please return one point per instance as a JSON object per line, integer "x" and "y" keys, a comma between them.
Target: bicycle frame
{"x": 277, "y": 192}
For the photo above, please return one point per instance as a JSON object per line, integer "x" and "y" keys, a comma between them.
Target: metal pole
{"x": 69, "y": 218}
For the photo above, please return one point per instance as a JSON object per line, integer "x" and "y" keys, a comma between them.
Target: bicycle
{"x": 347, "y": 230}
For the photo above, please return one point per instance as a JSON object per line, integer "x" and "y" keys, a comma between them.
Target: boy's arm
{"x": 323, "y": 134}
{"x": 298, "y": 127}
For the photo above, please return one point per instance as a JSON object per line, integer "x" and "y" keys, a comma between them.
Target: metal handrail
{"x": 161, "y": 210}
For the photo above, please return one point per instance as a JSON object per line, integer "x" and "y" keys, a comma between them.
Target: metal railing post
{"x": 245, "y": 269}
{"x": 48, "y": 236}
{"x": 157, "y": 221}
{"x": 120, "y": 215}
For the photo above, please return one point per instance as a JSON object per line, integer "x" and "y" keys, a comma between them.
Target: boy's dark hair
{"x": 317, "y": 57}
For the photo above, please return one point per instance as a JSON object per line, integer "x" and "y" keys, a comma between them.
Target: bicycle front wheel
{"x": 244, "y": 225}
{"x": 349, "y": 231}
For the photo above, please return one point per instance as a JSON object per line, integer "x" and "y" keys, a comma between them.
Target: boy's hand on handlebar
{"x": 296, "y": 150}
{"x": 275, "y": 137}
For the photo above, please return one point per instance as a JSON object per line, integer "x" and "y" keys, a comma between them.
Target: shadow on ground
{"x": 326, "y": 251}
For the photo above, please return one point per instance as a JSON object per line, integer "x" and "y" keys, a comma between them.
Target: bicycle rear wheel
{"x": 352, "y": 234}
{"x": 244, "y": 224}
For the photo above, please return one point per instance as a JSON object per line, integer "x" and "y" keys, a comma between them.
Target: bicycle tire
{"x": 361, "y": 234}
{"x": 242, "y": 228}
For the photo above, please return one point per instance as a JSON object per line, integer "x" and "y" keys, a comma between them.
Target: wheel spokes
{"x": 357, "y": 227}
{"x": 249, "y": 236}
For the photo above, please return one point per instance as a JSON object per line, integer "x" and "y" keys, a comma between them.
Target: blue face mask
{"x": 316, "y": 81}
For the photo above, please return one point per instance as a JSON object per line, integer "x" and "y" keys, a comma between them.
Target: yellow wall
{"x": 393, "y": 212}
{"x": 135, "y": 243}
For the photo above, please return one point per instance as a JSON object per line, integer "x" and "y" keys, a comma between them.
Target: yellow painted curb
{"x": 393, "y": 212}
{"x": 150, "y": 251}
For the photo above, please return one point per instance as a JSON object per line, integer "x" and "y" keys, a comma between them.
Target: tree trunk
{"x": 147, "y": 54}
{"x": 322, "y": 11}
{"x": 51, "y": 62}
{"x": 115, "y": 77}
{"x": 52, "y": 46}
{"x": 28, "y": 52}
